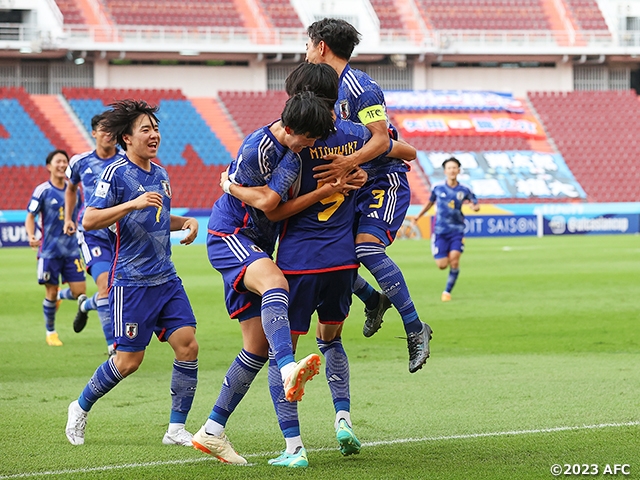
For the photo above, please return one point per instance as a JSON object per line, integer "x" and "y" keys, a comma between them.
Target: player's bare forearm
{"x": 30, "y": 228}
{"x": 403, "y": 151}
{"x": 184, "y": 223}
{"x": 298, "y": 204}
{"x": 70, "y": 201}
{"x": 97, "y": 218}
{"x": 262, "y": 198}
{"x": 424, "y": 210}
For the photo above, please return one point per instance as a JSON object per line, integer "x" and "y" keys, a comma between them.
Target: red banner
{"x": 495, "y": 124}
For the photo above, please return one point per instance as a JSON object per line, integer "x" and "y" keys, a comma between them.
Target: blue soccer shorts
{"x": 442, "y": 244}
{"x": 50, "y": 270}
{"x": 328, "y": 293}
{"x": 381, "y": 205}
{"x": 231, "y": 255}
{"x": 96, "y": 252}
{"x": 139, "y": 312}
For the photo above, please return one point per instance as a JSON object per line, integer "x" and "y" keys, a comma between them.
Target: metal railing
{"x": 229, "y": 39}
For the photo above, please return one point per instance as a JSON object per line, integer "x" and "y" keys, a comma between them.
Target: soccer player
{"x": 383, "y": 202}
{"x": 58, "y": 255}
{"x": 85, "y": 169}
{"x": 146, "y": 296}
{"x": 447, "y": 240}
{"x": 240, "y": 242}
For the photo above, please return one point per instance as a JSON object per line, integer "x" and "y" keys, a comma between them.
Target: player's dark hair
{"x": 306, "y": 114}
{"x": 95, "y": 121}
{"x": 120, "y": 119}
{"x": 340, "y": 36}
{"x": 451, "y": 159}
{"x": 321, "y": 79}
{"x": 54, "y": 153}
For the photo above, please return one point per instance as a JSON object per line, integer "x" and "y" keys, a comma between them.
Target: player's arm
{"x": 341, "y": 165}
{"x": 97, "y": 218}
{"x": 70, "y": 202}
{"x": 30, "y": 228}
{"x": 424, "y": 210}
{"x": 184, "y": 223}
{"x": 262, "y": 197}
{"x": 402, "y": 150}
{"x": 296, "y": 205}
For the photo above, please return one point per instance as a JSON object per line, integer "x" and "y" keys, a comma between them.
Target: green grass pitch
{"x": 535, "y": 362}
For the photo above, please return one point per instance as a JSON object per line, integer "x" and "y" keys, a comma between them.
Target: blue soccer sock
{"x": 287, "y": 412}
{"x": 374, "y": 257}
{"x": 337, "y": 372}
{"x": 184, "y": 380}
{"x": 65, "y": 294}
{"x": 90, "y": 303}
{"x": 275, "y": 322}
{"x": 102, "y": 382}
{"x": 49, "y": 309}
{"x": 451, "y": 280}
{"x": 104, "y": 314}
{"x": 236, "y": 384}
{"x": 365, "y": 292}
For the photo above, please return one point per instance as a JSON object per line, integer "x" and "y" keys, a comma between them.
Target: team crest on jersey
{"x": 131, "y": 330}
{"x": 460, "y": 196}
{"x": 345, "y": 112}
{"x": 166, "y": 187}
{"x": 255, "y": 248}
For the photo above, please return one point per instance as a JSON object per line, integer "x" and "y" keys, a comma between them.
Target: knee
{"x": 126, "y": 367}
{"x": 188, "y": 351}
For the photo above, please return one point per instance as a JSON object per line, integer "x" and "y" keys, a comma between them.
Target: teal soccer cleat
{"x": 291, "y": 460}
{"x": 349, "y": 443}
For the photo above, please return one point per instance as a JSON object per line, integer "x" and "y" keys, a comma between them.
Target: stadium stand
{"x": 200, "y": 13}
{"x": 242, "y": 107}
{"x": 586, "y": 14}
{"x": 71, "y": 12}
{"x": 484, "y": 14}
{"x": 387, "y": 12}
{"x": 191, "y": 152}
{"x": 280, "y": 13}
{"x": 595, "y": 131}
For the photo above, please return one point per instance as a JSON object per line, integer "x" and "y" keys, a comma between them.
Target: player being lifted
{"x": 85, "y": 169}
{"x": 382, "y": 203}
{"x": 146, "y": 296}
{"x": 58, "y": 255}
{"x": 447, "y": 240}
{"x": 240, "y": 242}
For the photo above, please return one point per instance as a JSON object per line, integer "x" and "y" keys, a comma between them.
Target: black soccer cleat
{"x": 418, "y": 345}
{"x": 81, "y": 317}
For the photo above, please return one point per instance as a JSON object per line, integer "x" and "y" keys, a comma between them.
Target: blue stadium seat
{"x": 26, "y": 144}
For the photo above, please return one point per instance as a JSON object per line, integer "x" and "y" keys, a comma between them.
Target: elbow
{"x": 89, "y": 221}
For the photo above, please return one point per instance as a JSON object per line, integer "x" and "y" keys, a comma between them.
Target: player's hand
{"x": 148, "y": 199}
{"x": 339, "y": 167}
{"x": 475, "y": 207}
{"x": 224, "y": 176}
{"x": 34, "y": 243}
{"x": 190, "y": 224}
{"x": 69, "y": 227}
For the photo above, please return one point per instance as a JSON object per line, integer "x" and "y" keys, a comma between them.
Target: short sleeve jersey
{"x": 323, "y": 231}
{"x": 360, "y": 99}
{"x": 141, "y": 239}
{"x": 449, "y": 200}
{"x": 47, "y": 202}
{"x": 86, "y": 168}
{"x": 261, "y": 160}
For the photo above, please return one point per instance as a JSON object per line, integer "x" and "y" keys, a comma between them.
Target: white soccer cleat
{"x": 305, "y": 370}
{"x": 181, "y": 437}
{"x": 218, "y": 446}
{"x": 76, "y": 424}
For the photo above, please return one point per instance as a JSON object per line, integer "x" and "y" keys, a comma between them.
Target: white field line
{"x": 364, "y": 444}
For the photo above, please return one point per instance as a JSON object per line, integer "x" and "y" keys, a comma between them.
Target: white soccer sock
{"x": 286, "y": 370}
{"x": 293, "y": 443}
{"x": 175, "y": 427}
{"x": 342, "y": 415}
{"x": 213, "y": 428}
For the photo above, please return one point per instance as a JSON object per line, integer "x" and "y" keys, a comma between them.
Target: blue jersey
{"x": 141, "y": 239}
{"x": 261, "y": 160}
{"x": 47, "y": 201}
{"x": 324, "y": 231}
{"x": 360, "y": 99}
{"x": 86, "y": 168}
{"x": 449, "y": 200}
